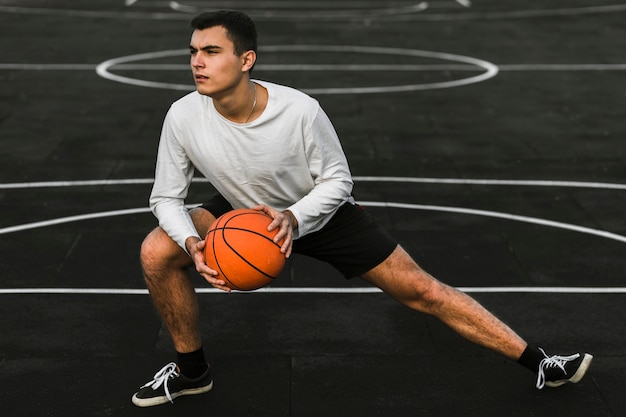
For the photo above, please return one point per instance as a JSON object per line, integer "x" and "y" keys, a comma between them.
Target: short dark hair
{"x": 240, "y": 28}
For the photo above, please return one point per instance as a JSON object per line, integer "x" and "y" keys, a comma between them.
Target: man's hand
{"x": 195, "y": 247}
{"x": 286, "y": 223}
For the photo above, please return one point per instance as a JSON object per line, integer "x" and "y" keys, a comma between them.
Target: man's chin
{"x": 203, "y": 91}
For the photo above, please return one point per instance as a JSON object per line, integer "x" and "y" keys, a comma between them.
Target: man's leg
{"x": 401, "y": 278}
{"x": 165, "y": 267}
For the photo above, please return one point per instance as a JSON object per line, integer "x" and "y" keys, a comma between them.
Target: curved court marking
{"x": 317, "y": 290}
{"x": 470, "y": 181}
{"x": 323, "y": 67}
{"x": 102, "y": 69}
{"x": 500, "y": 215}
{"x": 490, "y": 70}
{"x": 419, "y": 180}
{"x": 506, "y": 216}
{"x": 72, "y": 219}
{"x": 446, "y": 209}
{"x": 512, "y": 14}
{"x": 464, "y": 15}
{"x": 327, "y": 14}
{"x": 98, "y": 14}
{"x": 562, "y": 67}
{"x": 460, "y": 210}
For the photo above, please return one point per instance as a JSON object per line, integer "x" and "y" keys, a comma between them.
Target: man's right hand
{"x": 195, "y": 247}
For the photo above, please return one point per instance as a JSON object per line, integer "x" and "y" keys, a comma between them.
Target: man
{"x": 272, "y": 148}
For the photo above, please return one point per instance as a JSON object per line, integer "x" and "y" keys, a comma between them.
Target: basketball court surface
{"x": 487, "y": 136}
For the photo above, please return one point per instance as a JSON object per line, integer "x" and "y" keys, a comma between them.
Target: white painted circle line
{"x": 72, "y": 219}
{"x": 96, "y": 14}
{"x": 485, "y": 213}
{"x": 500, "y": 215}
{"x": 419, "y": 180}
{"x": 102, "y": 70}
{"x": 508, "y": 14}
{"x": 79, "y": 183}
{"x": 446, "y": 209}
{"x": 472, "y": 181}
{"x": 262, "y": 11}
{"x": 326, "y": 67}
{"x": 416, "y": 13}
{"x": 490, "y": 70}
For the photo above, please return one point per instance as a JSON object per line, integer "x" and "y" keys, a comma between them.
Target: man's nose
{"x": 196, "y": 61}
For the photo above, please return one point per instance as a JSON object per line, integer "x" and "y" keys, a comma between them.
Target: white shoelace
{"x": 161, "y": 378}
{"x": 552, "y": 362}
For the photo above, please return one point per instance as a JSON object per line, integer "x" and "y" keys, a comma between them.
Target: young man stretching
{"x": 272, "y": 148}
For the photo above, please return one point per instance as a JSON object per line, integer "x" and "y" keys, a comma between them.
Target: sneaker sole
{"x": 149, "y": 402}
{"x": 580, "y": 373}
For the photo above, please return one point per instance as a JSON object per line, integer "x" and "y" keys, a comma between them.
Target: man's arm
{"x": 329, "y": 169}
{"x": 173, "y": 175}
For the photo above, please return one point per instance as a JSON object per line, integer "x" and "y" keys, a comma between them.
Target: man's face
{"x": 216, "y": 68}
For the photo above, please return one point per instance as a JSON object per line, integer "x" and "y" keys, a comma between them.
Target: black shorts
{"x": 351, "y": 241}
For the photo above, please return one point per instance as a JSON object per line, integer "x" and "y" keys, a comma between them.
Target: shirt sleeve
{"x": 330, "y": 172}
{"x": 173, "y": 175}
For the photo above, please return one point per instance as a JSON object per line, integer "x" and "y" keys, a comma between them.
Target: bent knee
{"x": 158, "y": 250}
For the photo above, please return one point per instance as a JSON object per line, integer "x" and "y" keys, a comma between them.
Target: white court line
{"x": 418, "y": 180}
{"x": 446, "y": 209}
{"x": 72, "y": 219}
{"x": 511, "y": 14}
{"x": 47, "y": 67}
{"x": 470, "y": 181}
{"x": 293, "y": 4}
{"x": 317, "y": 290}
{"x": 566, "y": 290}
{"x": 263, "y": 11}
{"x": 83, "y": 183}
{"x": 562, "y": 67}
{"x": 499, "y": 215}
{"x": 98, "y": 14}
{"x": 490, "y": 70}
{"x": 459, "y": 210}
{"x": 324, "y": 67}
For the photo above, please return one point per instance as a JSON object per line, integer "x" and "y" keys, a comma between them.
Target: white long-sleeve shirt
{"x": 288, "y": 158}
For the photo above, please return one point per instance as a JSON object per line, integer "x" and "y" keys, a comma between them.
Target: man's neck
{"x": 240, "y": 104}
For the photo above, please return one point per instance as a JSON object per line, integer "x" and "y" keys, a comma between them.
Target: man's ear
{"x": 248, "y": 60}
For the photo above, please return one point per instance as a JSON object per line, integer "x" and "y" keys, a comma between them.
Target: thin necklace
{"x": 253, "y": 105}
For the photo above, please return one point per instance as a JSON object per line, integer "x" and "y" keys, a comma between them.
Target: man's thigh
{"x": 202, "y": 220}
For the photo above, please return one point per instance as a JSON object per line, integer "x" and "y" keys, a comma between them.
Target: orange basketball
{"x": 240, "y": 248}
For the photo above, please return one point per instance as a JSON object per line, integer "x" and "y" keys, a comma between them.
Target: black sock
{"x": 192, "y": 364}
{"x": 531, "y": 358}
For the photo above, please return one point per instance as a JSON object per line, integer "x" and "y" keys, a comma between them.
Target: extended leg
{"x": 403, "y": 279}
{"x": 400, "y": 277}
